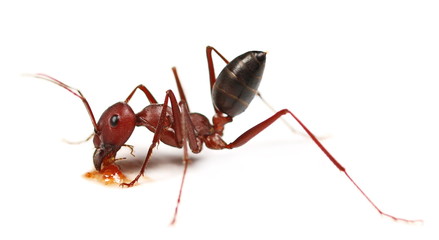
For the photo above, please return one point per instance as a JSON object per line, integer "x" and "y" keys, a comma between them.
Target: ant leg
{"x": 148, "y": 94}
{"x": 180, "y": 88}
{"x": 189, "y": 138}
{"x": 252, "y": 132}
{"x": 155, "y": 140}
{"x": 158, "y": 133}
{"x": 295, "y": 131}
{"x": 212, "y": 76}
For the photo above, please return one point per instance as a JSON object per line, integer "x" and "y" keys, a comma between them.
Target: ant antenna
{"x": 74, "y": 91}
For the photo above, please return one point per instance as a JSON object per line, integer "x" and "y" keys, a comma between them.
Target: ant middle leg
{"x": 156, "y": 138}
{"x": 145, "y": 90}
{"x": 189, "y": 141}
{"x": 180, "y": 87}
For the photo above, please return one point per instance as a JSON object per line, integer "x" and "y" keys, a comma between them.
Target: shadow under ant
{"x": 133, "y": 165}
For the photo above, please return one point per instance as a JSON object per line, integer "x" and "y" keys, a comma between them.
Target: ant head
{"x": 113, "y": 129}
{"x": 111, "y": 132}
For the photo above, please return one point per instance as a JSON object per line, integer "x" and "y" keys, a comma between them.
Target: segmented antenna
{"x": 72, "y": 90}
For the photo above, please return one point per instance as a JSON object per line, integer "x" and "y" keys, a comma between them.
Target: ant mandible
{"x": 173, "y": 124}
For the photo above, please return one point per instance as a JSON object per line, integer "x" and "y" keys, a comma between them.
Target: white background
{"x": 364, "y": 74}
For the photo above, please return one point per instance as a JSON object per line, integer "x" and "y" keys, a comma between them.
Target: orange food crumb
{"x": 109, "y": 175}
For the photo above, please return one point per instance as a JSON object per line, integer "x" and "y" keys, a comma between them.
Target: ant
{"x": 173, "y": 124}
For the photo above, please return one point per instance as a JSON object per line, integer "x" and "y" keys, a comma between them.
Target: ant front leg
{"x": 252, "y": 132}
{"x": 180, "y": 128}
{"x": 156, "y": 138}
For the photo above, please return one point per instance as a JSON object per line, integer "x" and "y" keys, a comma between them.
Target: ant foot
{"x": 130, "y": 184}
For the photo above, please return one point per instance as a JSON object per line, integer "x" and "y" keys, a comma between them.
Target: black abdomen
{"x": 238, "y": 82}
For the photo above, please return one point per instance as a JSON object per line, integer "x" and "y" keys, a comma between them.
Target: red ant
{"x": 173, "y": 124}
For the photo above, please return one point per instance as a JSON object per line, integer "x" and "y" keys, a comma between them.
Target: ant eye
{"x": 114, "y": 120}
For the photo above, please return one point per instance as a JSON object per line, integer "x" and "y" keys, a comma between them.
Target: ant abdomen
{"x": 238, "y": 83}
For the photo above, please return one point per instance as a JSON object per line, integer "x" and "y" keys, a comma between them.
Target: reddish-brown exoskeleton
{"x": 173, "y": 124}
